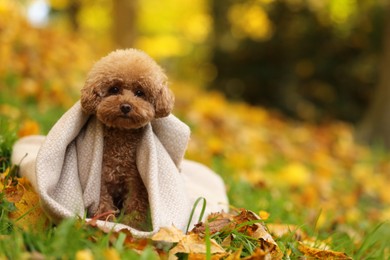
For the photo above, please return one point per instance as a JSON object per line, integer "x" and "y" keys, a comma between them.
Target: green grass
{"x": 64, "y": 242}
{"x": 7, "y": 138}
{"x": 367, "y": 241}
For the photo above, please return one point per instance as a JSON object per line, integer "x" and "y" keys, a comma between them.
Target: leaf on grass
{"x": 235, "y": 255}
{"x": 244, "y": 222}
{"x": 193, "y": 244}
{"x": 251, "y": 223}
{"x": 261, "y": 254}
{"x": 137, "y": 244}
{"x": 322, "y": 254}
{"x": 203, "y": 257}
{"x": 216, "y": 222}
{"x": 168, "y": 234}
{"x": 28, "y": 213}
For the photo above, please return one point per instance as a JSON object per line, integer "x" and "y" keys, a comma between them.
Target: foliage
{"x": 304, "y": 180}
{"x": 313, "y": 60}
{"x": 35, "y": 69}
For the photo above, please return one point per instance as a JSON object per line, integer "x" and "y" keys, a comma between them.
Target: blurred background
{"x": 312, "y": 60}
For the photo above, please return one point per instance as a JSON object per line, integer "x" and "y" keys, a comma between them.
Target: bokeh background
{"x": 313, "y": 60}
{"x": 287, "y": 99}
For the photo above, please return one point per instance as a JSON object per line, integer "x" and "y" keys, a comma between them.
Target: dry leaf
{"x": 243, "y": 221}
{"x": 203, "y": 256}
{"x": 194, "y": 244}
{"x": 322, "y": 254}
{"x": 168, "y": 234}
{"x": 260, "y": 254}
{"x": 215, "y": 221}
{"x": 256, "y": 230}
{"x": 235, "y": 255}
{"x": 29, "y": 214}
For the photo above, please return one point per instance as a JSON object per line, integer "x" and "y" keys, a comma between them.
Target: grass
{"x": 7, "y": 138}
{"x": 71, "y": 238}
{"x": 66, "y": 241}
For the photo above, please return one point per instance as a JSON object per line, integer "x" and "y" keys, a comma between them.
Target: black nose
{"x": 125, "y": 108}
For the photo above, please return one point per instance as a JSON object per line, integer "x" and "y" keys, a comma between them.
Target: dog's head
{"x": 126, "y": 89}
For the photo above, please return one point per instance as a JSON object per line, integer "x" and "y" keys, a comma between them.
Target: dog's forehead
{"x": 127, "y": 68}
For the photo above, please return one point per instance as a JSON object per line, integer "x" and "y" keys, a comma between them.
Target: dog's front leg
{"x": 106, "y": 209}
{"x": 136, "y": 207}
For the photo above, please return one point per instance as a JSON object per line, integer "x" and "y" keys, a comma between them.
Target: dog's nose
{"x": 125, "y": 108}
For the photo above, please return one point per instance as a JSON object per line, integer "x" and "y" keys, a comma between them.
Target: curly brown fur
{"x": 125, "y": 91}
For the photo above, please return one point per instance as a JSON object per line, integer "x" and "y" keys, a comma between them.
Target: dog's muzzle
{"x": 125, "y": 108}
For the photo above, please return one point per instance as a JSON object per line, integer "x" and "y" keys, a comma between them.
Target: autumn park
{"x": 280, "y": 108}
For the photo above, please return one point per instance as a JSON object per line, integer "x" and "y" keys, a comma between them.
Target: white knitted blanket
{"x": 66, "y": 171}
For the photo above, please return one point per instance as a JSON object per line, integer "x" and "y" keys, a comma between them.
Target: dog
{"x": 125, "y": 90}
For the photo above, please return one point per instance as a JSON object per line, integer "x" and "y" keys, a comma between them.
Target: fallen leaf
{"x": 254, "y": 227}
{"x": 168, "y": 234}
{"x": 261, "y": 254}
{"x": 217, "y": 256}
{"x": 235, "y": 255}
{"x": 246, "y": 222}
{"x": 321, "y": 254}
{"x": 194, "y": 244}
{"x": 215, "y": 221}
{"x": 29, "y": 213}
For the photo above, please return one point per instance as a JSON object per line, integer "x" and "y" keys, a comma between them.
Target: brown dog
{"x": 125, "y": 91}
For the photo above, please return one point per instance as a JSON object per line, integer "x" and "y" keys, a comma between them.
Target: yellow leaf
{"x": 194, "y": 244}
{"x": 322, "y": 254}
{"x": 295, "y": 174}
{"x": 235, "y": 255}
{"x": 194, "y": 256}
{"x": 85, "y": 254}
{"x": 264, "y": 215}
{"x": 168, "y": 234}
{"x": 260, "y": 254}
{"x": 29, "y": 127}
{"x": 29, "y": 214}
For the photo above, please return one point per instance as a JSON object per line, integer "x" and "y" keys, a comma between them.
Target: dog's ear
{"x": 164, "y": 102}
{"x": 90, "y": 98}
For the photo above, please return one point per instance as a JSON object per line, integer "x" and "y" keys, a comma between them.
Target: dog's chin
{"x": 125, "y": 122}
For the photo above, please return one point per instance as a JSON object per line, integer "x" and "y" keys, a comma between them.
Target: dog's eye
{"x": 139, "y": 93}
{"x": 113, "y": 90}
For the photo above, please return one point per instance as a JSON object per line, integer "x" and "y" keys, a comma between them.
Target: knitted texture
{"x": 68, "y": 168}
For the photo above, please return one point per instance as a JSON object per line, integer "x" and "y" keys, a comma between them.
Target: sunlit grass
{"x": 71, "y": 237}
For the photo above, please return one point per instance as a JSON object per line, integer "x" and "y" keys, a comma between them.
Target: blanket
{"x": 65, "y": 167}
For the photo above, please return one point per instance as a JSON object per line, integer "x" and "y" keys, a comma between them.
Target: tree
{"x": 375, "y": 127}
{"x": 124, "y": 22}
{"x": 312, "y": 60}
